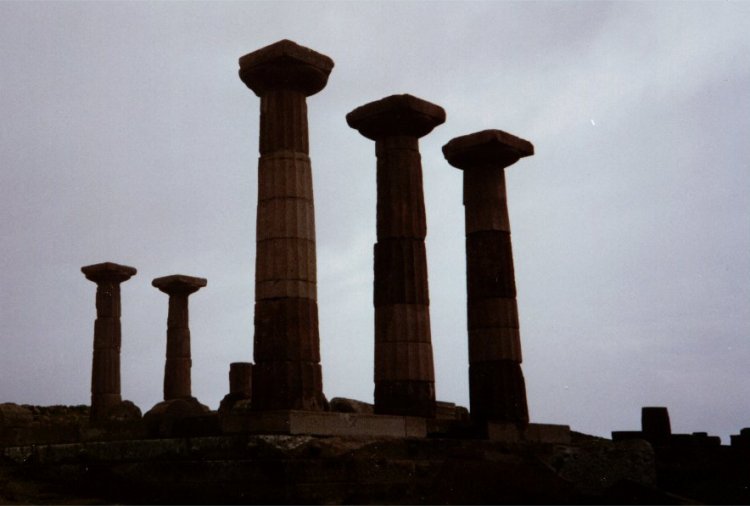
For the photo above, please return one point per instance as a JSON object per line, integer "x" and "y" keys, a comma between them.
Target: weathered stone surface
{"x": 496, "y": 382}
{"x": 489, "y": 266}
{"x": 344, "y": 405}
{"x": 404, "y": 377}
{"x": 286, "y": 330}
{"x": 283, "y": 74}
{"x": 285, "y": 65}
{"x": 498, "y": 343}
{"x": 105, "y": 369}
{"x": 488, "y": 147}
{"x": 279, "y": 384}
{"x": 177, "y": 382}
{"x": 13, "y": 415}
{"x": 240, "y": 386}
{"x": 497, "y": 391}
{"x": 403, "y": 323}
{"x": 403, "y": 361}
{"x": 161, "y": 419}
{"x": 493, "y": 312}
{"x": 285, "y": 174}
{"x": 406, "y": 398}
{"x": 400, "y": 272}
{"x": 285, "y": 259}
{"x": 655, "y": 424}
{"x": 395, "y": 116}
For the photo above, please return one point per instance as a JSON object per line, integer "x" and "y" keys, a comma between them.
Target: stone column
{"x": 105, "y": 374}
{"x": 287, "y": 373}
{"x": 404, "y": 372}
{"x": 178, "y": 364}
{"x": 496, "y": 386}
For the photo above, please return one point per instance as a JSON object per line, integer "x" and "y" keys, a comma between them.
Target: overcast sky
{"x": 127, "y": 136}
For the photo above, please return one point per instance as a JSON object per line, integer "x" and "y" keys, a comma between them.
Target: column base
{"x": 497, "y": 392}
{"x": 405, "y": 398}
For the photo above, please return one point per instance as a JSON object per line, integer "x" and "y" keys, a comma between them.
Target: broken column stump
{"x": 179, "y": 402}
{"x": 287, "y": 372}
{"x": 497, "y": 389}
{"x": 404, "y": 371}
{"x": 240, "y": 386}
{"x": 106, "y": 401}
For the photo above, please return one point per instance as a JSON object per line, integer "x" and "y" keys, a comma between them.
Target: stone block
{"x": 489, "y": 265}
{"x": 343, "y": 405}
{"x": 286, "y": 218}
{"x": 488, "y": 147}
{"x": 286, "y": 329}
{"x": 396, "y": 116}
{"x": 494, "y": 312}
{"x": 655, "y": 424}
{"x": 294, "y": 422}
{"x": 400, "y": 200}
{"x": 286, "y": 288}
{"x": 285, "y": 259}
{"x": 161, "y": 419}
{"x": 285, "y": 174}
{"x": 288, "y": 385}
{"x": 404, "y": 361}
{"x": 107, "y": 333}
{"x": 285, "y": 65}
{"x": 400, "y": 272}
{"x": 405, "y": 398}
{"x": 402, "y": 323}
{"x": 283, "y": 122}
{"x": 498, "y": 343}
{"x": 241, "y": 378}
{"x": 497, "y": 392}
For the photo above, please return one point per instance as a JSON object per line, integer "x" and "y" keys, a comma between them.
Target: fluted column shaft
{"x": 496, "y": 383}
{"x": 287, "y": 372}
{"x": 177, "y": 382}
{"x": 105, "y": 374}
{"x": 404, "y": 371}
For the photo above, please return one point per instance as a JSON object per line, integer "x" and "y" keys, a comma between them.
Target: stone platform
{"x": 318, "y": 423}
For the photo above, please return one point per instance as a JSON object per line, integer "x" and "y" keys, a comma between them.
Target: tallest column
{"x": 287, "y": 373}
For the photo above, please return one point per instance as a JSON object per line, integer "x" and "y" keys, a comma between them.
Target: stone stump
{"x": 404, "y": 371}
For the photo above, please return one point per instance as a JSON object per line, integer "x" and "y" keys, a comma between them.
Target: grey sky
{"x": 127, "y": 136}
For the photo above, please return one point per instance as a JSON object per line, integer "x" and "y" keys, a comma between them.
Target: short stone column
{"x": 404, "y": 371}
{"x": 105, "y": 374}
{"x": 496, "y": 384}
{"x": 179, "y": 362}
{"x": 240, "y": 386}
{"x": 287, "y": 372}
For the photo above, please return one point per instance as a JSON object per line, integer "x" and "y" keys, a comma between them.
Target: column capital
{"x": 396, "y": 115}
{"x": 179, "y": 284}
{"x": 285, "y": 65}
{"x": 488, "y": 147}
{"x": 108, "y": 272}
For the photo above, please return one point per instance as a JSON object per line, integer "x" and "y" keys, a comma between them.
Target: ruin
{"x": 275, "y": 438}
{"x": 496, "y": 386}
{"x": 404, "y": 371}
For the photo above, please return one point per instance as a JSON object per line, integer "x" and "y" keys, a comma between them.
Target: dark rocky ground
{"x": 276, "y": 469}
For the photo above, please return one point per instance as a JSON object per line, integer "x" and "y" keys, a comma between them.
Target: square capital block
{"x": 488, "y": 147}
{"x": 396, "y": 115}
{"x": 108, "y": 272}
{"x": 285, "y": 65}
{"x": 179, "y": 284}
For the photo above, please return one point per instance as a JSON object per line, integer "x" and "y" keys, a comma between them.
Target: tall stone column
{"x": 178, "y": 364}
{"x": 105, "y": 374}
{"x": 404, "y": 371}
{"x": 287, "y": 373}
{"x": 496, "y": 384}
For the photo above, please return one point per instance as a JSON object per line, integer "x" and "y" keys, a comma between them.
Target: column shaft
{"x": 178, "y": 363}
{"x": 496, "y": 383}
